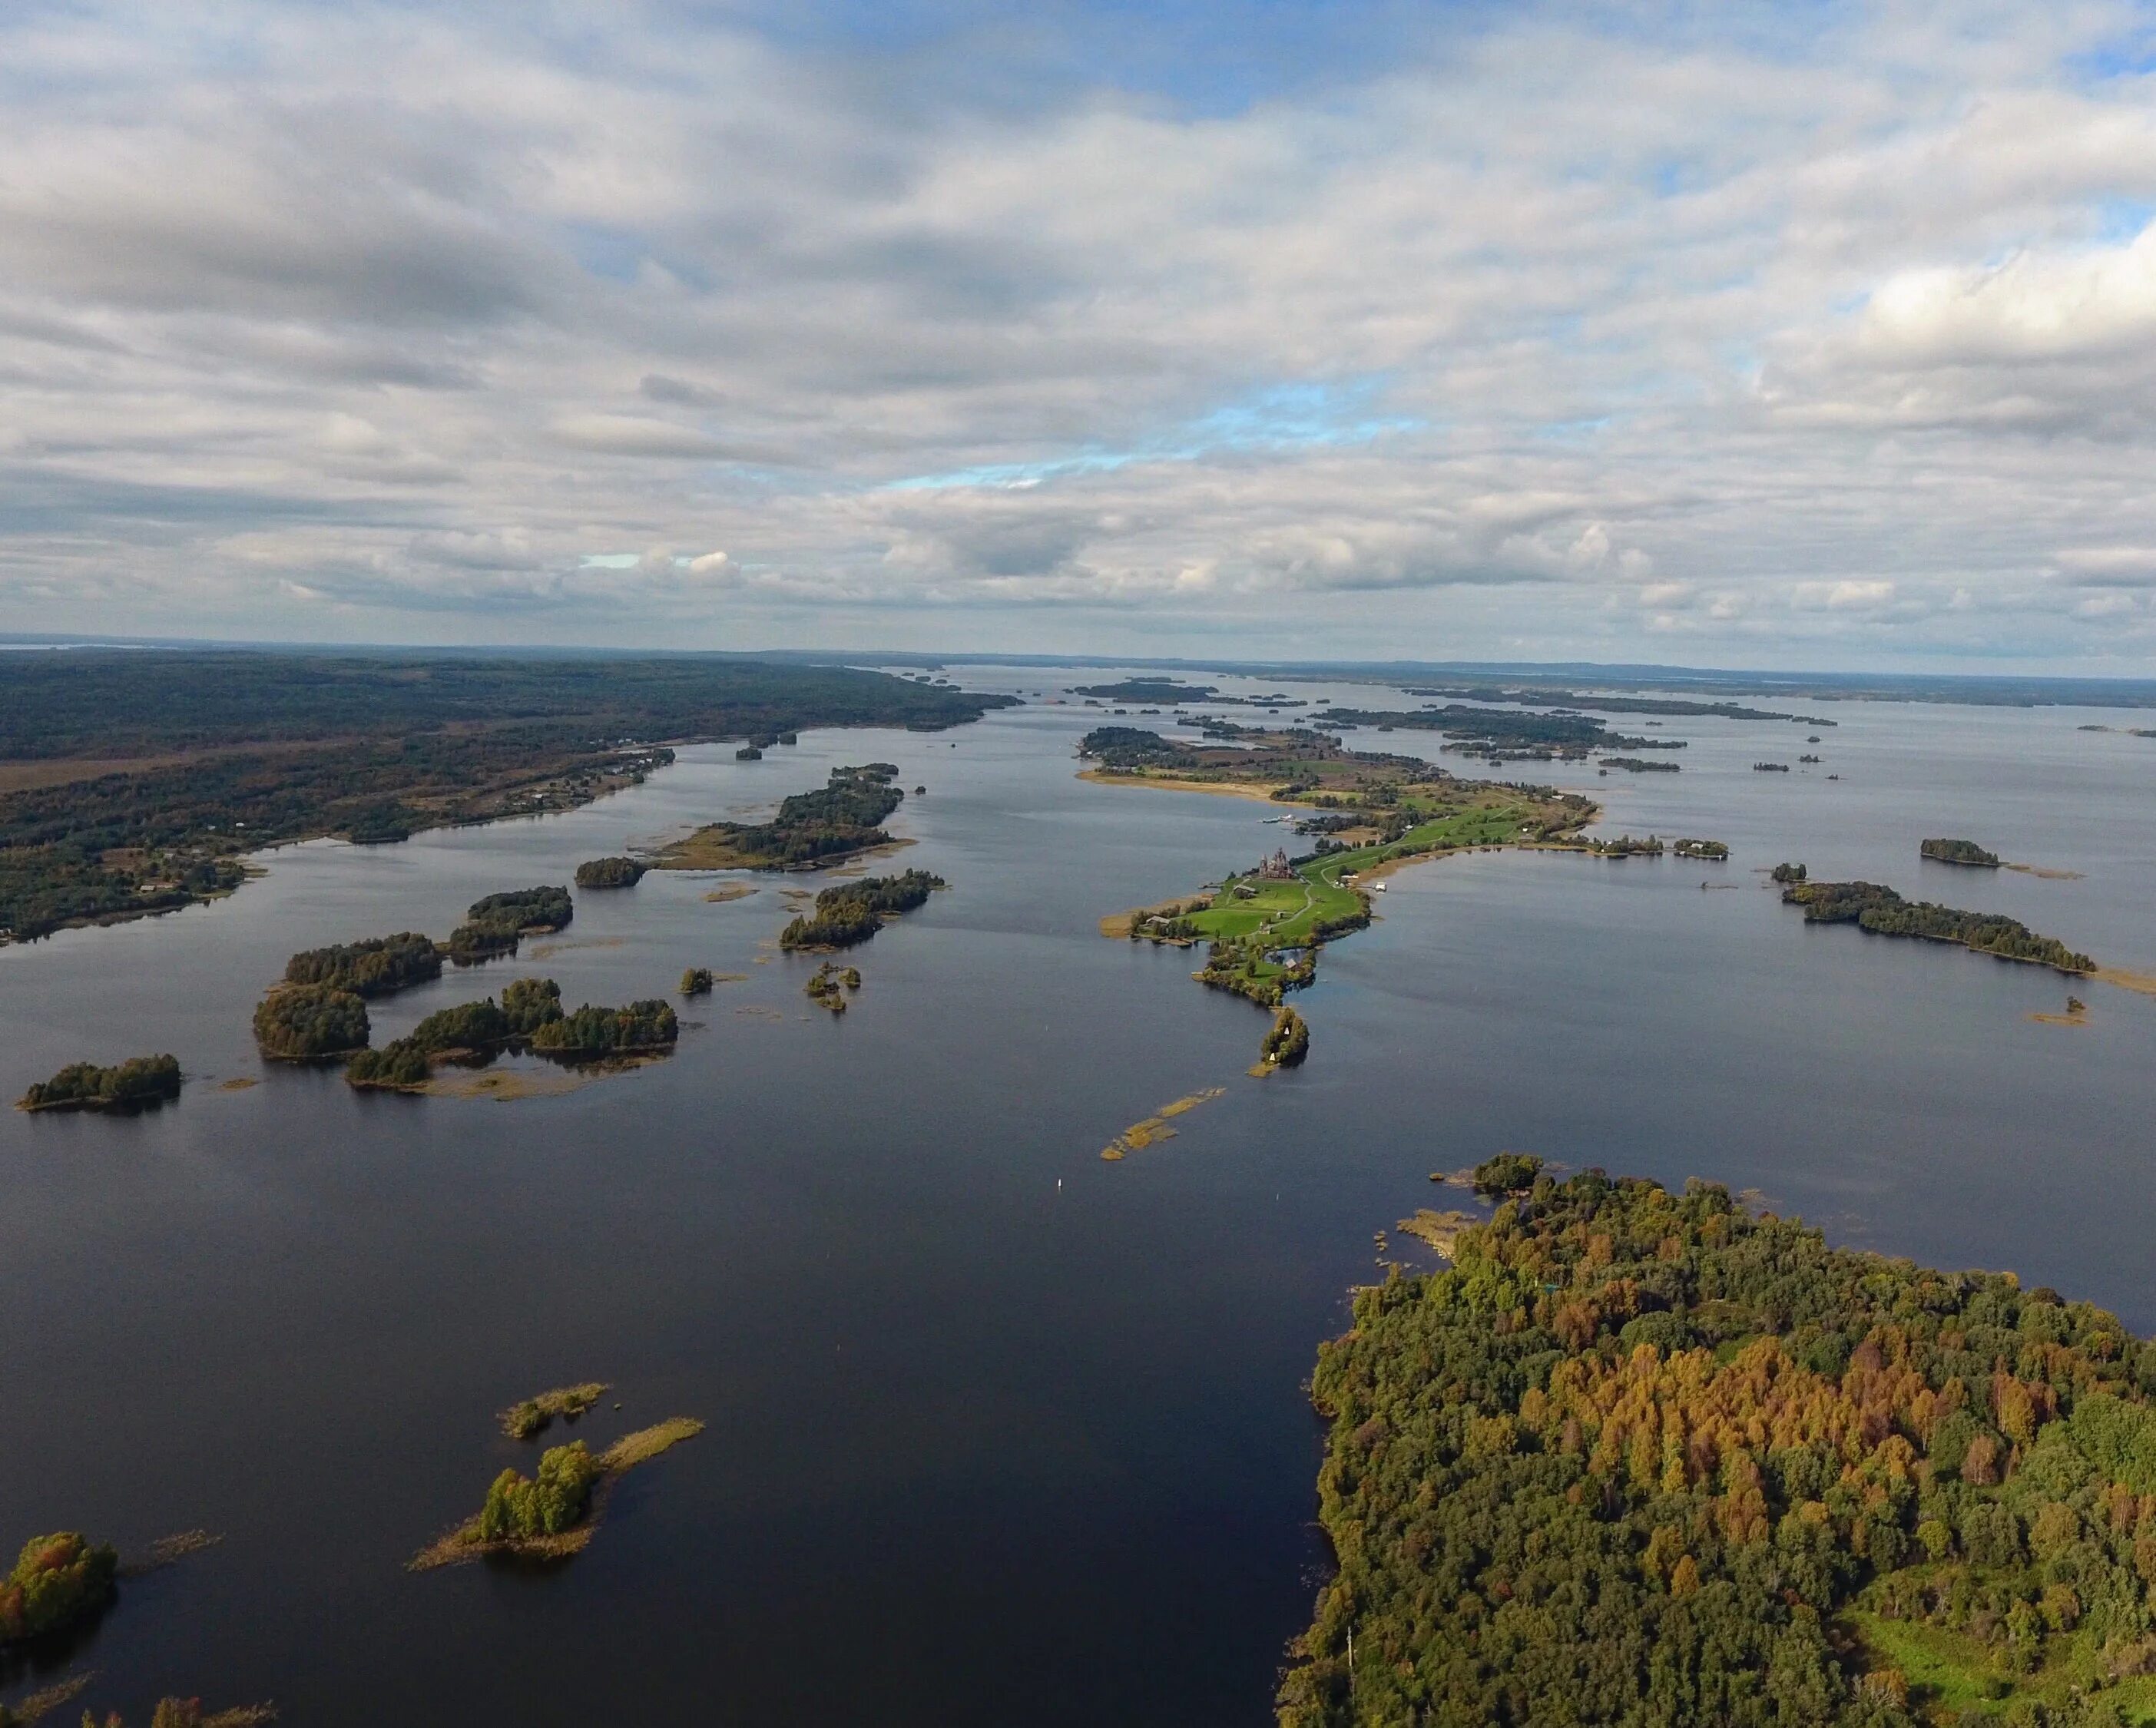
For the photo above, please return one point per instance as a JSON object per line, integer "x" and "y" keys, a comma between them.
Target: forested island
{"x": 828, "y": 985}
{"x": 139, "y": 1083}
{"x": 1882, "y": 911}
{"x": 809, "y": 829}
{"x": 377, "y": 967}
{"x": 610, "y": 872}
{"x": 57, "y": 1582}
{"x": 496, "y": 924}
{"x": 1715, "y": 851}
{"x": 1641, "y": 1459}
{"x": 1958, "y": 851}
{"x": 305, "y": 1023}
{"x": 1498, "y": 735}
{"x": 851, "y": 912}
{"x": 131, "y": 783}
{"x": 552, "y": 1513}
{"x": 529, "y": 1017}
{"x": 1165, "y": 692}
{"x": 1639, "y": 765}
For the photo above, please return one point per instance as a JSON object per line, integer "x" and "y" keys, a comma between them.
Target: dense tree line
{"x": 526, "y": 1005}
{"x": 301, "y": 1021}
{"x": 1482, "y": 731}
{"x": 494, "y": 924}
{"x": 852, "y": 912}
{"x": 610, "y": 872}
{"x": 1881, "y": 910}
{"x": 373, "y": 967}
{"x": 130, "y": 1084}
{"x": 1644, "y": 1458}
{"x": 57, "y": 1581}
{"x": 1956, "y": 852}
{"x": 1639, "y": 765}
{"x": 647, "y": 1025}
{"x": 44, "y": 889}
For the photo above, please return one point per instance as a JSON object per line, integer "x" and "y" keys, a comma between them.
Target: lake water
{"x": 998, "y": 1431}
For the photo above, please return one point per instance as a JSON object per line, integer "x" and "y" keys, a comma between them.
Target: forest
{"x": 377, "y": 967}
{"x": 1882, "y": 911}
{"x": 647, "y": 1025}
{"x": 1508, "y": 736}
{"x": 57, "y": 1581}
{"x": 850, "y": 912}
{"x": 610, "y": 872}
{"x": 839, "y": 817}
{"x": 1958, "y": 851}
{"x": 138, "y": 1082}
{"x": 299, "y": 1022}
{"x": 494, "y": 925}
{"x": 1136, "y": 747}
{"x": 187, "y": 760}
{"x": 1650, "y": 1458}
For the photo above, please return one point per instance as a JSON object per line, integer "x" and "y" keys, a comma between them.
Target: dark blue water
{"x": 998, "y": 1431}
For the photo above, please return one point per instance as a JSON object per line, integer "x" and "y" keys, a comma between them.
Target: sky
{"x": 1795, "y": 336}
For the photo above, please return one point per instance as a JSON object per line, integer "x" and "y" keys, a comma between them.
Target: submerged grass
{"x": 1140, "y": 1135}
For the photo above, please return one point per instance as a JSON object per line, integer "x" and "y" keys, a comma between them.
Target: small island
{"x": 1714, "y": 851}
{"x": 1787, "y": 872}
{"x": 307, "y": 1023}
{"x": 1287, "y": 1043}
{"x": 610, "y": 872}
{"x": 554, "y": 1514}
{"x": 1967, "y": 853}
{"x": 1882, "y": 911}
{"x": 828, "y": 984}
{"x": 529, "y": 1417}
{"x": 810, "y": 828}
{"x": 1165, "y": 691}
{"x": 1639, "y": 765}
{"x": 140, "y": 1083}
{"x": 377, "y": 967}
{"x": 1770, "y": 767}
{"x": 494, "y": 925}
{"x": 852, "y": 912}
{"x": 696, "y": 981}
{"x": 58, "y": 1581}
{"x": 529, "y": 1017}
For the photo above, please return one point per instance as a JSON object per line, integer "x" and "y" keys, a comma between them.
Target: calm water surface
{"x": 997, "y": 1431}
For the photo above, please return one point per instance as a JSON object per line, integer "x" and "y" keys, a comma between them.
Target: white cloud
{"x": 1833, "y": 331}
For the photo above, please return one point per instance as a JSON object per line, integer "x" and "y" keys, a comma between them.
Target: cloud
{"x": 1435, "y": 333}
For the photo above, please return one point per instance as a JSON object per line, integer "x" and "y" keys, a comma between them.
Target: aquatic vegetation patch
{"x": 528, "y": 1416}
{"x": 1155, "y": 1127}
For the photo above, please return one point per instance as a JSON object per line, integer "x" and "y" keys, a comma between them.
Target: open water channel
{"x": 998, "y": 1431}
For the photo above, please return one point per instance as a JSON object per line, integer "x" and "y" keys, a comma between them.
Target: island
{"x": 494, "y": 925}
{"x": 305, "y": 1023}
{"x": 133, "y": 784}
{"x": 139, "y": 1083}
{"x": 1770, "y": 767}
{"x": 810, "y": 829}
{"x": 1716, "y": 851}
{"x": 1787, "y": 872}
{"x": 1287, "y": 1043}
{"x": 377, "y": 967}
{"x": 1882, "y": 911}
{"x": 852, "y": 912}
{"x": 58, "y": 1581}
{"x": 1958, "y": 851}
{"x": 529, "y": 1017}
{"x": 552, "y": 1513}
{"x": 529, "y": 1417}
{"x": 1498, "y": 735}
{"x": 696, "y": 981}
{"x": 1374, "y": 813}
{"x": 1639, "y": 765}
{"x": 828, "y": 984}
{"x": 610, "y": 872}
{"x": 1650, "y": 1458}
{"x": 1165, "y": 691}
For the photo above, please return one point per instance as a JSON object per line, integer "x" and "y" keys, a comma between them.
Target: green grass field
{"x": 1285, "y": 912}
{"x": 1948, "y": 1674}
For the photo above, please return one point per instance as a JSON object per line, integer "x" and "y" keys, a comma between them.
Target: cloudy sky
{"x": 1799, "y": 336}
